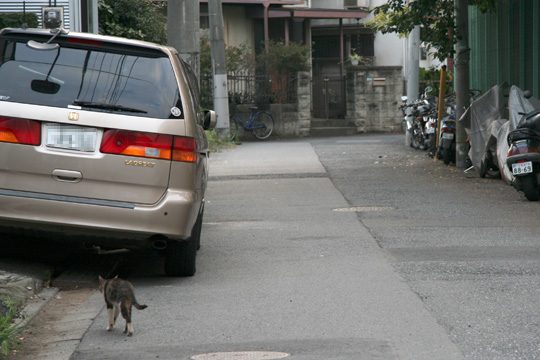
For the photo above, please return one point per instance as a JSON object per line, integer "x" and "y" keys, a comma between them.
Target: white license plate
{"x": 448, "y": 136}
{"x": 71, "y": 137}
{"x": 522, "y": 168}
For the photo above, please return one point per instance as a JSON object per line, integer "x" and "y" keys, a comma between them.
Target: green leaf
{"x": 436, "y": 19}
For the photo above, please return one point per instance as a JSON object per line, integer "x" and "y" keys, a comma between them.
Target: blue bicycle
{"x": 259, "y": 122}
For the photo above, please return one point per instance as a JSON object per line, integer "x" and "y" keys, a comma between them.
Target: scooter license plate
{"x": 522, "y": 168}
{"x": 448, "y": 136}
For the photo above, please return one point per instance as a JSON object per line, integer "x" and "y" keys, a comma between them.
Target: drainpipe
{"x": 341, "y": 49}
{"x": 266, "y": 5}
{"x": 286, "y": 31}
{"x": 461, "y": 79}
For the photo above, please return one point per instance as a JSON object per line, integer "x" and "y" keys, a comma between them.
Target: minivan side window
{"x": 193, "y": 86}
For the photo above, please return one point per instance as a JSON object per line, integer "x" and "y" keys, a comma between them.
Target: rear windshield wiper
{"x": 105, "y": 106}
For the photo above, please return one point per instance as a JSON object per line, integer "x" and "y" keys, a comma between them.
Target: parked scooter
{"x": 447, "y": 137}
{"x": 431, "y": 131}
{"x": 408, "y": 118}
{"x": 424, "y": 124}
{"x": 413, "y": 124}
{"x": 419, "y": 121}
{"x": 524, "y": 155}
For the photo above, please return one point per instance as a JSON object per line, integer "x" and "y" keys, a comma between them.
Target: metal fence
{"x": 261, "y": 90}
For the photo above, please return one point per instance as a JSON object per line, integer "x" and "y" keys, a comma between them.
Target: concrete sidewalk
{"x": 357, "y": 292}
{"x": 266, "y": 158}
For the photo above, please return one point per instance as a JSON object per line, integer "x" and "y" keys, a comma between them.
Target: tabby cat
{"x": 119, "y": 297}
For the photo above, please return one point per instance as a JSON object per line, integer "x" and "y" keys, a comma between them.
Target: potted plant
{"x": 355, "y": 58}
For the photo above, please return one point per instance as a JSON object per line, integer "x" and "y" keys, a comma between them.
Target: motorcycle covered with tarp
{"x": 523, "y": 144}
{"x": 520, "y": 103}
{"x": 482, "y": 121}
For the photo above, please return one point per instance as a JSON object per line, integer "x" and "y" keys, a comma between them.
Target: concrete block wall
{"x": 373, "y": 98}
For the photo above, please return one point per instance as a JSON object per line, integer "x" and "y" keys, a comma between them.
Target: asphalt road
{"x": 283, "y": 268}
{"x": 468, "y": 247}
{"x": 338, "y": 248}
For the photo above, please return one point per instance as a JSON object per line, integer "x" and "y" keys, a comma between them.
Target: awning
{"x": 309, "y": 13}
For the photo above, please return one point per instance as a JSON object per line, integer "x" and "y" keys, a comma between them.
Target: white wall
{"x": 327, "y": 4}
{"x": 389, "y": 48}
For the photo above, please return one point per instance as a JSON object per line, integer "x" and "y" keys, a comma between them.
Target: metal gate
{"x": 329, "y": 97}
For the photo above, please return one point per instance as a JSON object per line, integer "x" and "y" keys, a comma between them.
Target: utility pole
{"x": 217, "y": 46}
{"x": 413, "y": 64}
{"x": 461, "y": 79}
{"x": 183, "y": 30}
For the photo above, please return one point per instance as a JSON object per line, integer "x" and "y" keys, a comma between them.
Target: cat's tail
{"x": 139, "y": 307}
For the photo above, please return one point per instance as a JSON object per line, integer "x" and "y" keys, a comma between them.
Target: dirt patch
{"x": 56, "y": 331}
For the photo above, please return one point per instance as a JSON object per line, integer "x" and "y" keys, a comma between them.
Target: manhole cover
{"x": 241, "y": 355}
{"x": 363, "y": 209}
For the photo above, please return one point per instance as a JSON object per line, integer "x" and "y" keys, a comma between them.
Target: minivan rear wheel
{"x": 180, "y": 258}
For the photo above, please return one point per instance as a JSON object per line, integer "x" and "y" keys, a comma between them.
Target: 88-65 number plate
{"x": 522, "y": 168}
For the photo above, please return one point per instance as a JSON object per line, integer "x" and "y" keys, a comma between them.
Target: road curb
{"x": 33, "y": 306}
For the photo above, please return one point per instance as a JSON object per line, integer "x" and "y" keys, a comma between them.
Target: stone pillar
{"x": 303, "y": 103}
{"x": 356, "y": 98}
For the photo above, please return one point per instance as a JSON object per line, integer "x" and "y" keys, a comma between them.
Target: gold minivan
{"x": 102, "y": 142}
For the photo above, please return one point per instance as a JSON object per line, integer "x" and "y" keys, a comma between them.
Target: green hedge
{"x": 18, "y": 19}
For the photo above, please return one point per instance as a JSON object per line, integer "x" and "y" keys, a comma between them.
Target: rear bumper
{"x": 532, "y": 156}
{"x": 126, "y": 224}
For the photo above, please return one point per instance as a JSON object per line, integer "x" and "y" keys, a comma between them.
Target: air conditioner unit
{"x": 364, "y": 4}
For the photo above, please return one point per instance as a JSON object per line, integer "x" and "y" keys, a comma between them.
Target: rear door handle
{"x": 67, "y": 175}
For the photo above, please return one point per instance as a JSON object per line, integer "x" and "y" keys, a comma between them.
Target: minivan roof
{"x": 87, "y": 36}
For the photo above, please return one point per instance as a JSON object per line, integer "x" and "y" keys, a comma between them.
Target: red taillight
{"x": 139, "y": 144}
{"x": 91, "y": 42}
{"x": 20, "y": 131}
{"x": 519, "y": 147}
{"x": 149, "y": 145}
{"x": 512, "y": 151}
{"x": 184, "y": 149}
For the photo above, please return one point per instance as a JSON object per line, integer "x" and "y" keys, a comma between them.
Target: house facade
{"x": 336, "y": 93}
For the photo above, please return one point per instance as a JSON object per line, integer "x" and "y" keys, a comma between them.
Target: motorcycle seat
{"x": 523, "y": 133}
{"x": 530, "y": 121}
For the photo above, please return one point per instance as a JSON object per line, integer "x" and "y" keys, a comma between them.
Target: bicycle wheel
{"x": 263, "y": 125}
{"x": 233, "y": 128}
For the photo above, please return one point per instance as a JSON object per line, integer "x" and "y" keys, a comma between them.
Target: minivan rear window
{"x": 95, "y": 79}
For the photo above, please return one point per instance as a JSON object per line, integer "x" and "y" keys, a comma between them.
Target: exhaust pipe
{"x": 99, "y": 251}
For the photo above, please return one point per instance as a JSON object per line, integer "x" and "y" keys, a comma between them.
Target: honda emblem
{"x": 73, "y": 116}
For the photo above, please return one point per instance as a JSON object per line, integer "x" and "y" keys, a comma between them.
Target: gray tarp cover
{"x": 487, "y": 125}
